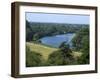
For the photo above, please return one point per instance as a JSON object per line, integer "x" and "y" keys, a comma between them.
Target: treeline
{"x": 81, "y": 43}
{"x": 35, "y": 31}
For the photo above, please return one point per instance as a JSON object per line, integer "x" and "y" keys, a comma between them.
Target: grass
{"x": 76, "y": 54}
{"x": 45, "y": 51}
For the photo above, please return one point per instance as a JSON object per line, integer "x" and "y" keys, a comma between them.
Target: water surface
{"x": 55, "y": 41}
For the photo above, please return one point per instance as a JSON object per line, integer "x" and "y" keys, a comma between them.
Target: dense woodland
{"x": 35, "y": 31}
{"x": 64, "y": 55}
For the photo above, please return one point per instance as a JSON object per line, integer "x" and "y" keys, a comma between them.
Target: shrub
{"x": 55, "y": 58}
{"x": 32, "y": 58}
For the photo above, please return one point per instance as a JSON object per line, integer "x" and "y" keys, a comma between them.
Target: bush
{"x": 65, "y": 49}
{"x": 55, "y": 58}
{"x": 81, "y": 43}
{"x": 33, "y": 58}
{"x": 80, "y": 38}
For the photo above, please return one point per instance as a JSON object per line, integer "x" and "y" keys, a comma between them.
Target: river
{"x": 55, "y": 41}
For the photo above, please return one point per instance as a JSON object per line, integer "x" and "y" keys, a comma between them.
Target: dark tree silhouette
{"x": 65, "y": 48}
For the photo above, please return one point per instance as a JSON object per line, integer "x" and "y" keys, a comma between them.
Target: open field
{"x": 43, "y": 50}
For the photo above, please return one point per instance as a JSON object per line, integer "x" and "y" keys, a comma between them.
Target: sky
{"x": 57, "y": 18}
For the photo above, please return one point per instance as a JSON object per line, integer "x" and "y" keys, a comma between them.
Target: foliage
{"x": 78, "y": 40}
{"x": 84, "y": 59}
{"x": 29, "y": 33}
{"x": 35, "y": 31}
{"x": 40, "y": 55}
{"x": 62, "y": 56}
{"x": 65, "y": 50}
{"x": 55, "y": 58}
{"x": 32, "y": 58}
{"x": 81, "y": 43}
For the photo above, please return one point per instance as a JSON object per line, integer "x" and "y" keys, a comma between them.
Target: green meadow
{"x": 45, "y": 51}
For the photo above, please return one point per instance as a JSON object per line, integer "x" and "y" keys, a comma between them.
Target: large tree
{"x": 80, "y": 38}
{"x": 81, "y": 43}
{"x": 66, "y": 51}
{"x": 29, "y": 33}
{"x": 62, "y": 56}
{"x": 33, "y": 58}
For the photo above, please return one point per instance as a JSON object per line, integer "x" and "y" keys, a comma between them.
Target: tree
{"x": 55, "y": 58}
{"x": 48, "y": 29}
{"x": 79, "y": 37}
{"x": 29, "y": 33}
{"x": 84, "y": 59}
{"x": 66, "y": 51}
{"x": 35, "y": 37}
{"x": 62, "y": 56}
{"x": 81, "y": 43}
{"x": 33, "y": 58}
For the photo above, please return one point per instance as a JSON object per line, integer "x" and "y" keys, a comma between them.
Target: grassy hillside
{"x": 43, "y": 50}
{"x": 41, "y": 55}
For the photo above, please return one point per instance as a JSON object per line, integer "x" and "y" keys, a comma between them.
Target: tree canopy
{"x": 35, "y": 31}
{"x": 81, "y": 43}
